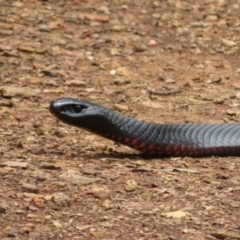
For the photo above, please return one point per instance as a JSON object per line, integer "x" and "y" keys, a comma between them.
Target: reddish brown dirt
{"x": 59, "y": 182}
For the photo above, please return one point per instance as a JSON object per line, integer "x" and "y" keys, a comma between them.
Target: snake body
{"x": 162, "y": 140}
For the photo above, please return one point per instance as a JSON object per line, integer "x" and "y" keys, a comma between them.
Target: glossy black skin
{"x": 195, "y": 140}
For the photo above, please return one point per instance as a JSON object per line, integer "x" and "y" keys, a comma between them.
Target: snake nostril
{"x": 63, "y": 109}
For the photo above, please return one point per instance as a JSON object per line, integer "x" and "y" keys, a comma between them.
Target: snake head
{"x": 79, "y": 113}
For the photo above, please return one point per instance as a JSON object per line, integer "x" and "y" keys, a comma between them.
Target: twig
{"x": 165, "y": 93}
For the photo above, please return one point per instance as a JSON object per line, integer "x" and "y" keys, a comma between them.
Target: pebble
{"x": 96, "y": 233}
{"x": 107, "y": 204}
{"x": 16, "y": 91}
{"x": 130, "y": 186}
{"x": 12, "y": 232}
{"x": 57, "y": 224}
{"x": 121, "y": 108}
{"x": 48, "y": 197}
{"x": 14, "y": 164}
{"x": 18, "y": 4}
{"x": 51, "y": 166}
{"x": 121, "y": 81}
{"x": 231, "y": 113}
{"x": 170, "y": 80}
{"x": 44, "y": 28}
{"x": 101, "y": 18}
{"x": 100, "y": 193}
{"x": 113, "y": 72}
{"x": 219, "y": 101}
{"x": 140, "y": 48}
{"x": 46, "y": 72}
{"x": 104, "y": 9}
{"x": 229, "y": 43}
{"x": 79, "y": 55}
{"x": 90, "y": 170}
{"x": 122, "y": 71}
{"x": 211, "y": 17}
{"x": 78, "y": 179}
{"x": 61, "y": 199}
{"x": 36, "y": 149}
{"x": 124, "y": 7}
{"x": 152, "y": 43}
{"x": 160, "y": 77}
{"x": 3, "y": 206}
{"x": 59, "y": 133}
{"x": 30, "y": 188}
{"x": 76, "y": 83}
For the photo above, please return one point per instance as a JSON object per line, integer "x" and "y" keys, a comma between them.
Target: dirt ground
{"x": 167, "y": 61}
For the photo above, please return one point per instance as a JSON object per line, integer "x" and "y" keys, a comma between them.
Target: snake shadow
{"x": 123, "y": 156}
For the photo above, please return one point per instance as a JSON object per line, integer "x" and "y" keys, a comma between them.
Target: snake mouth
{"x": 52, "y": 109}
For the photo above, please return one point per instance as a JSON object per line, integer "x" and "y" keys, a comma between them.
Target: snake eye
{"x": 78, "y": 108}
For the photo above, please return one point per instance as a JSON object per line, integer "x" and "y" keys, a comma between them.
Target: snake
{"x": 158, "y": 140}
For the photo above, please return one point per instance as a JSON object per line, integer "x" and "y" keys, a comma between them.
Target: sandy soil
{"x": 168, "y": 61}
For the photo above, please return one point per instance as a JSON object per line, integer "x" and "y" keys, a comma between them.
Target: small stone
{"x": 198, "y": 24}
{"x": 44, "y": 28}
{"x": 36, "y": 149}
{"x": 113, "y": 72}
{"x": 130, "y": 185}
{"x": 104, "y": 9}
{"x": 140, "y": 48}
{"x": 77, "y": 179}
{"x": 57, "y": 224}
{"x": 47, "y": 72}
{"x": 236, "y": 86}
{"x": 16, "y": 91}
{"x": 121, "y": 81}
{"x": 122, "y": 71}
{"x": 170, "y": 80}
{"x": 152, "y": 43}
{"x": 121, "y": 108}
{"x": 76, "y": 83}
{"x": 219, "y": 101}
{"x": 18, "y": 4}
{"x": 237, "y": 96}
{"x": 161, "y": 77}
{"x": 31, "y": 195}
{"x": 61, "y": 199}
{"x": 117, "y": 28}
{"x": 213, "y": 81}
{"x": 12, "y": 232}
{"x": 90, "y": 170}
{"x": 124, "y": 7}
{"x": 176, "y": 214}
{"x": 59, "y": 133}
{"x": 96, "y": 233}
{"x": 26, "y": 230}
{"x": 101, "y": 18}
{"x": 51, "y": 166}
{"x": 200, "y": 66}
{"x": 30, "y": 188}
{"x": 211, "y": 17}
{"x": 48, "y": 197}
{"x": 79, "y": 55}
{"x": 229, "y": 43}
{"x": 3, "y": 206}
{"x": 107, "y": 204}
{"x": 14, "y": 164}
{"x": 231, "y": 113}
{"x": 101, "y": 193}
